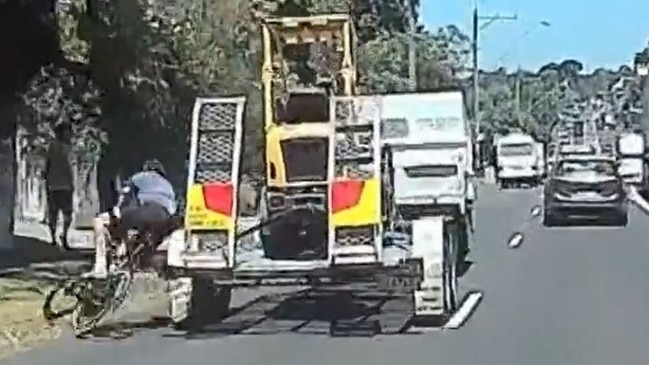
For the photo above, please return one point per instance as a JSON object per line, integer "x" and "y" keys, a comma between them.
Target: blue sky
{"x": 599, "y": 33}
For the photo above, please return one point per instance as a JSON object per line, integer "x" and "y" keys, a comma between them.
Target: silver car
{"x": 585, "y": 187}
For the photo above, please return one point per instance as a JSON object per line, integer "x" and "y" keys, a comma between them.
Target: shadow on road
{"x": 121, "y": 331}
{"x": 34, "y": 266}
{"x": 315, "y": 312}
{"x": 583, "y": 223}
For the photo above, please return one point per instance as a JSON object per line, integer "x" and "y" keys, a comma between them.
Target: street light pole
{"x": 476, "y": 75}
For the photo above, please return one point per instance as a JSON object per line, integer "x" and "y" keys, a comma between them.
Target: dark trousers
{"x": 58, "y": 200}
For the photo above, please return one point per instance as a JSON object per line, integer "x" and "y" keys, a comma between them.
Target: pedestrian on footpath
{"x": 59, "y": 182}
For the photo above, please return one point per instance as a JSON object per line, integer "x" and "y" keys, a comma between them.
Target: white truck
{"x": 630, "y": 149}
{"x": 429, "y": 140}
{"x": 517, "y": 157}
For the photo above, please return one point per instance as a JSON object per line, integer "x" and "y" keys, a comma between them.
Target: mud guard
{"x": 431, "y": 243}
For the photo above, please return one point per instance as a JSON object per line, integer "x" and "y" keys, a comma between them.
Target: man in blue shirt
{"x": 156, "y": 199}
{"x": 154, "y": 204}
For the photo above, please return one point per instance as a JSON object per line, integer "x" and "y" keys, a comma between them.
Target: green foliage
{"x": 57, "y": 95}
{"x": 132, "y": 68}
{"x": 543, "y": 94}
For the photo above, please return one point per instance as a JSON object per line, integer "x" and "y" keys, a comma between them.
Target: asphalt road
{"x": 566, "y": 296}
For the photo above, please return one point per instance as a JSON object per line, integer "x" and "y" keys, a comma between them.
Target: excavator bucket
{"x": 355, "y": 230}
{"x": 213, "y": 179}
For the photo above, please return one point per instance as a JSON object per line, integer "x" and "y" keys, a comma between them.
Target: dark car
{"x": 585, "y": 187}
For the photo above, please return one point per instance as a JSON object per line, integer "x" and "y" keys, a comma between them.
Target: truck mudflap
{"x": 355, "y": 229}
{"x": 435, "y": 241}
{"x": 213, "y": 179}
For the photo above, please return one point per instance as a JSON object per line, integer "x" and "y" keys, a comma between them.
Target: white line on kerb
{"x": 465, "y": 310}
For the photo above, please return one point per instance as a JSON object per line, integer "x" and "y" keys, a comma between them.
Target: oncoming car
{"x": 585, "y": 187}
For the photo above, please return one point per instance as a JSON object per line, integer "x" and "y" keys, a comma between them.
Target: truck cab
{"x": 434, "y": 178}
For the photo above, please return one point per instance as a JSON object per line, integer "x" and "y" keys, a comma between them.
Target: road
{"x": 566, "y": 296}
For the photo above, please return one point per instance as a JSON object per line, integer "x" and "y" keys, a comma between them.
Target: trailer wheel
{"x": 549, "y": 219}
{"x": 209, "y": 304}
{"x": 268, "y": 242}
{"x": 621, "y": 219}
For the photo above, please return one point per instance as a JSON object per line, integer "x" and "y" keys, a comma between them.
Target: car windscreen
{"x": 516, "y": 149}
{"x": 585, "y": 167}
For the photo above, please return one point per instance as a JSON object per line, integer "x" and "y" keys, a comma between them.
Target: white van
{"x": 518, "y": 158}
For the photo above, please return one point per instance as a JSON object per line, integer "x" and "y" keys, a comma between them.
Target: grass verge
{"x": 22, "y": 325}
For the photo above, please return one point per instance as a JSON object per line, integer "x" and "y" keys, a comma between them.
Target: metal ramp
{"x": 355, "y": 230}
{"x": 213, "y": 179}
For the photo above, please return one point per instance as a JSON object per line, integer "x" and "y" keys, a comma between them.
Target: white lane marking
{"x": 516, "y": 240}
{"x": 468, "y": 306}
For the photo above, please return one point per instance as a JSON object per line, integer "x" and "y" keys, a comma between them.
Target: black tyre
{"x": 621, "y": 219}
{"x": 271, "y": 247}
{"x": 549, "y": 219}
{"x": 450, "y": 278}
{"x": 97, "y": 299}
{"x": 209, "y": 304}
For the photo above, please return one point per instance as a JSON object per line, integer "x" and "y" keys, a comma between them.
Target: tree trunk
{"x": 7, "y": 188}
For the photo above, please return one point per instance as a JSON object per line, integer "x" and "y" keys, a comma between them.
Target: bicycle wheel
{"x": 48, "y": 313}
{"x": 95, "y": 303}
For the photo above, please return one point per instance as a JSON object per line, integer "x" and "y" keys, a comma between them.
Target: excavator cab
{"x": 307, "y": 61}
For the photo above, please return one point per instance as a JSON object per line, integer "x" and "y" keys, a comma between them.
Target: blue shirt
{"x": 153, "y": 187}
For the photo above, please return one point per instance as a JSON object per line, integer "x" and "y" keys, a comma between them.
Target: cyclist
{"x": 154, "y": 204}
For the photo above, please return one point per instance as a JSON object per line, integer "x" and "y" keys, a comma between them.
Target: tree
{"x": 551, "y": 89}
{"x": 148, "y": 60}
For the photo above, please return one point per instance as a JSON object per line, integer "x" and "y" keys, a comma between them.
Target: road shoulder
{"x": 27, "y": 273}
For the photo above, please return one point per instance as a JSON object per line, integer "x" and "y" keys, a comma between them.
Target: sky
{"x": 598, "y": 33}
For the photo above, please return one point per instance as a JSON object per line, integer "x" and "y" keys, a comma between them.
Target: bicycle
{"x": 97, "y": 297}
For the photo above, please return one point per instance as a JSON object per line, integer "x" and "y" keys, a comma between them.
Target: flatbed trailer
{"x": 208, "y": 258}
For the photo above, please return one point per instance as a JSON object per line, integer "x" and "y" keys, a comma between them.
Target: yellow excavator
{"x": 323, "y": 194}
{"x": 306, "y": 60}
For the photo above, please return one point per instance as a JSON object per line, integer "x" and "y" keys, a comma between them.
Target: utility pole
{"x": 412, "y": 50}
{"x": 476, "y": 74}
{"x": 518, "y": 96}
{"x": 476, "y": 68}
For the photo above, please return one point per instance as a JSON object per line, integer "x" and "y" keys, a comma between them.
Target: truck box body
{"x": 432, "y": 146}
